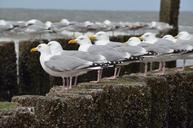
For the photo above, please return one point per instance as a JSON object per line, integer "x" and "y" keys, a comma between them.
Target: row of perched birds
{"x": 104, "y": 53}
{"x": 35, "y": 26}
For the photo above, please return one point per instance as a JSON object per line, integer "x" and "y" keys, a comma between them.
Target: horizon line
{"x": 88, "y": 9}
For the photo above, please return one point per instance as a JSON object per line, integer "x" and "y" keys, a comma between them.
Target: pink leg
{"x": 70, "y": 85}
{"x": 160, "y": 67}
{"x": 67, "y": 81}
{"x": 151, "y": 66}
{"x": 114, "y": 76}
{"x": 63, "y": 80}
{"x": 75, "y": 80}
{"x": 163, "y": 69}
{"x": 115, "y": 72}
{"x": 64, "y": 83}
{"x": 118, "y": 73}
{"x": 99, "y": 76}
{"x": 145, "y": 72}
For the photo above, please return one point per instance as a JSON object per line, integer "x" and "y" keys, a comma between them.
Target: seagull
{"x": 57, "y": 26}
{"x": 5, "y": 26}
{"x": 148, "y": 55}
{"x": 136, "y": 52}
{"x": 183, "y": 35}
{"x": 184, "y": 44}
{"x": 34, "y": 21}
{"x": 36, "y": 27}
{"x": 65, "y": 22}
{"x": 166, "y": 49}
{"x": 160, "y": 26}
{"x": 133, "y": 41}
{"x": 62, "y": 65}
{"x": 111, "y": 55}
{"x": 102, "y": 38}
{"x": 56, "y": 49}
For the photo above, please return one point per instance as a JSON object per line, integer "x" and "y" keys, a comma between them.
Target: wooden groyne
{"x": 169, "y": 12}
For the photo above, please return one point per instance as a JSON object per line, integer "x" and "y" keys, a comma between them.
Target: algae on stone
{"x": 7, "y": 105}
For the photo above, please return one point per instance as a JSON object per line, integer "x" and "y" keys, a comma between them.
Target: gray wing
{"x": 181, "y": 46}
{"x": 169, "y": 44}
{"x": 115, "y": 44}
{"x": 85, "y": 56}
{"x": 108, "y": 52}
{"x": 133, "y": 50}
{"x": 164, "y": 43}
{"x": 144, "y": 45}
{"x": 185, "y": 42}
{"x": 63, "y": 63}
{"x": 37, "y": 28}
{"x": 158, "y": 49}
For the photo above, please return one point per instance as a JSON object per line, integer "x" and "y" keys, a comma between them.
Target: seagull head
{"x": 107, "y": 22}
{"x": 169, "y": 37}
{"x": 32, "y": 22}
{"x": 48, "y": 24}
{"x": 148, "y": 37}
{"x": 42, "y": 48}
{"x": 133, "y": 41}
{"x": 55, "y": 47}
{"x": 81, "y": 40}
{"x": 102, "y": 36}
{"x": 65, "y": 22}
{"x": 88, "y": 23}
{"x": 183, "y": 35}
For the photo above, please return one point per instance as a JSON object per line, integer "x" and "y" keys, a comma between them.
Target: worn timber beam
{"x": 169, "y": 11}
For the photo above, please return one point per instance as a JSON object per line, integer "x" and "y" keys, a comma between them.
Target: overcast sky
{"x": 91, "y": 4}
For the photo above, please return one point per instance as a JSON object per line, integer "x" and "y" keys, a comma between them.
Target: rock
{"x": 131, "y": 101}
{"x": 18, "y": 118}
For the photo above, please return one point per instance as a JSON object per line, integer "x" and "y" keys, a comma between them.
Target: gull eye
{"x": 100, "y": 34}
{"x": 39, "y": 46}
{"x": 81, "y": 38}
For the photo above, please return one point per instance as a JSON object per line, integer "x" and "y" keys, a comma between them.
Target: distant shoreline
{"x": 85, "y": 10}
{"x": 54, "y": 15}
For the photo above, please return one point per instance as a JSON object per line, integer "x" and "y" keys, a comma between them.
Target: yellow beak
{"x": 141, "y": 38}
{"x": 72, "y": 41}
{"x": 92, "y": 37}
{"x": 34, "y": 50}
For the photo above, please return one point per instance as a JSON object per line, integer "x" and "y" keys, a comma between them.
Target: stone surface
{"x": 18, "y": 118}
{"x": 130, "y": 101}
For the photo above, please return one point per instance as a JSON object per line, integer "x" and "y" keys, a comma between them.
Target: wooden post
{"x": 169, "y": 11}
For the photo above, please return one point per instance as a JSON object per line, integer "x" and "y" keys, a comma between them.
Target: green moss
{"x": 7, "y": 105}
